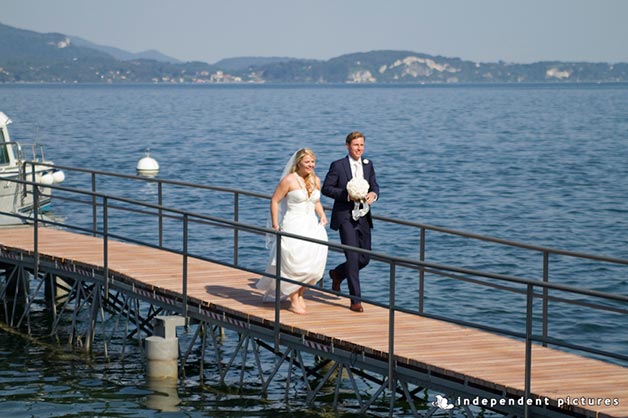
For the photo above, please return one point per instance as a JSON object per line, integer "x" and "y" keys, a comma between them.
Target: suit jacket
{"x": 335, "y": 186}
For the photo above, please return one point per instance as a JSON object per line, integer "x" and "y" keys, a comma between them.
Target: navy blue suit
{"x": 354, "y": 233}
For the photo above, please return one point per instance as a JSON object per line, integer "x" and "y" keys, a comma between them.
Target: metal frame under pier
{"x": 91, "y": 321}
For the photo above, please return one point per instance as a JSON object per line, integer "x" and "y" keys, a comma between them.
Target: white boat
{"x": 17, "y": 198}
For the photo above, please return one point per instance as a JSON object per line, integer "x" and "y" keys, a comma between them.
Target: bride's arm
{"x": 321, "y": 213}
{"x": 274, "y": 209}
{"x": 318, "y": 208}
{"x": 280, "y": 192}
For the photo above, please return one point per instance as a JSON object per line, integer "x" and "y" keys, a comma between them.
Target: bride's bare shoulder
{"x": 289, "y": 182}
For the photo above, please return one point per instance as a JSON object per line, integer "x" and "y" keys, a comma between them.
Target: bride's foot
{"x": 296, "y": 305}
{"x": 297, "y": 309}
{"x": 302, "y": 301}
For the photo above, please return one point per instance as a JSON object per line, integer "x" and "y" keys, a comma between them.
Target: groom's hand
{"x": 370, "y": 198}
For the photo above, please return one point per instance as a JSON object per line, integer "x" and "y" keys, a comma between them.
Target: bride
{"x": 294, "y": 207}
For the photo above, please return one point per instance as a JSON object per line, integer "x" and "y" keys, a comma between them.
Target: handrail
{"x": 407, "y": 262}
{"x": 420, "y": 265}
{"x": 403, "y": 261}
{"x": 93, "y": 193}
{"x": 416, "y": 225}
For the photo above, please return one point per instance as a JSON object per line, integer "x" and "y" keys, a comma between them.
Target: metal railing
{"x": 534, "y": 289}
{"x": 416, "y": 228}
{"x": 15, "y": 148}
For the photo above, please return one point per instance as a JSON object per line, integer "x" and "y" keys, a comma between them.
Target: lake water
{"x": 540, "y": 164}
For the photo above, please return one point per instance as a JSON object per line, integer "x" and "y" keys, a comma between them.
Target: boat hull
{"x": 16, "y": 199}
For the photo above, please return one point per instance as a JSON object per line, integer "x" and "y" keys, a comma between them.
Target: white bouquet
{"x": 358, "y": 188}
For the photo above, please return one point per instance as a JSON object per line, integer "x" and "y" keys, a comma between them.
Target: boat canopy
{"x": 4, "y": 120}
{"x": 6, "y": 152}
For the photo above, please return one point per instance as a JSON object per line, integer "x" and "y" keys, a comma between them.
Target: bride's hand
{"x": 323, "y": 221}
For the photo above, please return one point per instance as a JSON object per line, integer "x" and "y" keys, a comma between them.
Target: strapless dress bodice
{"x": 299, "y": 202}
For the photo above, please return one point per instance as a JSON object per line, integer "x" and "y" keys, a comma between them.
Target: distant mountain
{"x": 413, "y": 67}
{"x": 27, "y": 56}
{"x": 243, "y": 63}
{"x": 24, "y": 45}
{"x": 123, "y": 55}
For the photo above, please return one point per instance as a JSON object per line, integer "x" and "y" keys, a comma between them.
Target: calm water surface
{"x": 542, "y": 164}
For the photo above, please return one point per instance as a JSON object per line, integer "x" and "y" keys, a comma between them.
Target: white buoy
{"x": 58, "y": 176}
{"x": 147, "y": 166}
{"x": 45, "y": 178}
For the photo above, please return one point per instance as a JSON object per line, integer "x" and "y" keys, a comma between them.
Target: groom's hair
{"x": 353, "y": 135}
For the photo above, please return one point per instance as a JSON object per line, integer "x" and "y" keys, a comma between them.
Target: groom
{"x": 356, "y": 233}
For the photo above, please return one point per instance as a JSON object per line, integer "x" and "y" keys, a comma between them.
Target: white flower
{"x": 358, "y": 188}
{"x": 365, "y": 161}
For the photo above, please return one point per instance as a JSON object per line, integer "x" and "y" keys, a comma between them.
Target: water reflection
{"x": 164, "y": 396}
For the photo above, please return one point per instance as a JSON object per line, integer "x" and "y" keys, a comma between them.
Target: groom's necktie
{"x": 357, "y": 169}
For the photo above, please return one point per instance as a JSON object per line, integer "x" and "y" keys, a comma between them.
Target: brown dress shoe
{"x": 357, "y": 307}
{"x": 335, "y": 281}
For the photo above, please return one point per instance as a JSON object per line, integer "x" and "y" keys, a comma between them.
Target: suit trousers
{"x": 356, "y": 234}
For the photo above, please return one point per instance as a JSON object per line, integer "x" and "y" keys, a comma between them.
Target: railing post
{"x": 528, "y": 358}
{"x": 160, "y": 202}
{"x": 185, "y": 266}
{"x": 105, "y": 243}
{"x": 545, "y": 296}
{"x": 35, "y": 224}
{"x": 236, "y": 217}
{"x": 94, "y": 207}
{"x": 391, "y": 339}
{"x": 422, "y": 270}
{"x": 277, "y": 289}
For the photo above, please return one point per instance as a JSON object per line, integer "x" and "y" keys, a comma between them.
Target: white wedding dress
{"x": 301, "y": 261}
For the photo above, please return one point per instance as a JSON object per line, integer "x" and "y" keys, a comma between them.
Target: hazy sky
{"x": 519, "y": 31}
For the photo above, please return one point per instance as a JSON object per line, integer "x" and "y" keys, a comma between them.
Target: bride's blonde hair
{"x": 310, "y": 183}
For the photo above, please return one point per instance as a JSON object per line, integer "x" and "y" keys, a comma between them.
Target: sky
{"x": 517, "y": 31}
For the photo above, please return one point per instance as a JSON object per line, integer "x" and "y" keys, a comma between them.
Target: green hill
{"x": 27, "y": 56}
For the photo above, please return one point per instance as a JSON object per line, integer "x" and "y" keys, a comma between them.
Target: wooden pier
{"x": 477, "y": 366}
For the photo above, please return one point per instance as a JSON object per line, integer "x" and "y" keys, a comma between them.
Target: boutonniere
{"x": 365, "y": 161}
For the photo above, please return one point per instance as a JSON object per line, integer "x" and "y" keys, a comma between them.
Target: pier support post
{"x": 56, "y": 290}
{"x": 162, "y": 348}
